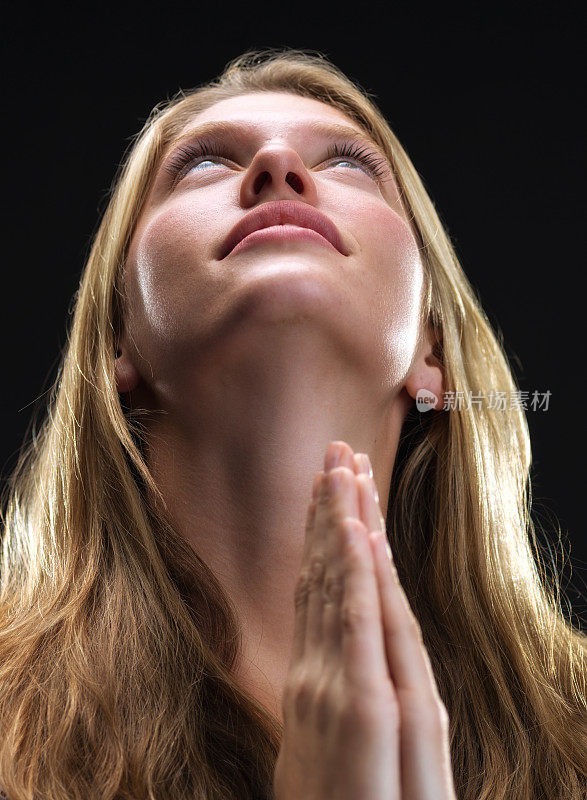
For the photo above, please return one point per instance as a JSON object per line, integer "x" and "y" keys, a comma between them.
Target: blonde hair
{"x": 117, "y": 641}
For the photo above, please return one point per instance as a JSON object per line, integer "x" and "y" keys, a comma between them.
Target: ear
{"x": 126, "y": 374}
{"x": 426, "y": 375}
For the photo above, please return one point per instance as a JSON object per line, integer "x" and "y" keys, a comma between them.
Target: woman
{"x": 269, "y": 294}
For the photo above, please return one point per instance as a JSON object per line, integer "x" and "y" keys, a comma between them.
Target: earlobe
{"x": 126, "y": 374}
{"x": 426, "y": 376}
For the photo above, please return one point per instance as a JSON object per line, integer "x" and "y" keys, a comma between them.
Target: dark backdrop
{"x": 486, "y": 103}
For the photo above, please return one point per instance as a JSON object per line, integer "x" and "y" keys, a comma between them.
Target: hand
{"x": 341, "y": 723}
{"x": 353, "y": 704}
{"x": 426, "y": 770}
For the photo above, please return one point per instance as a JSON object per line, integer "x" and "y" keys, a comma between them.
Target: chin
{"x": 284, "y": 289}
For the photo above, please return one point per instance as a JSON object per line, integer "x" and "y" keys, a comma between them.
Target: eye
{"x": 199, "y": 155}
{"x": 202, "y": 154}
{"x": 343, "y": 161}
{"x": 359, "y": 155}
{"x": 202, "y": 163}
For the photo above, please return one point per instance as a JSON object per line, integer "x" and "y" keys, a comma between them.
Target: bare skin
{"x": 255, "y": 362}
{"x": 363, "y": 717}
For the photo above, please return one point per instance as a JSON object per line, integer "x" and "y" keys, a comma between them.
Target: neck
{"x": 235, "y": 454}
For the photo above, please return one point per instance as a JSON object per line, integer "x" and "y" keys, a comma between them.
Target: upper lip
{"x": 283, "y": 212}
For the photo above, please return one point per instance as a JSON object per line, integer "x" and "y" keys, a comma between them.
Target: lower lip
{"x": 282, "y": 233}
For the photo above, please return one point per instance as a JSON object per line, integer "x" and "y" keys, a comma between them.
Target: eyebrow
{"x": 233, "y": 131}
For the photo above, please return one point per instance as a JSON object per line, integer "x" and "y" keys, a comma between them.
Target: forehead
{"x": 272, "y": 113}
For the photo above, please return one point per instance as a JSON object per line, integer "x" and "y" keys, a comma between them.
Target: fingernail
{"x": 364, "y": 464}
{"x": 332, "y": 457}
{"x": 388, "y": 551}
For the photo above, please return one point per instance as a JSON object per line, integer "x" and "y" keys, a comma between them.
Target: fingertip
{"x": 362, "y": 464}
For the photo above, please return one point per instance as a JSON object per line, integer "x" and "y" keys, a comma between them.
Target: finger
{"x": 363, "y": 644}
{"x": 407, "y": 657}
{"x": 369, "y": 508}
{"x": 309, "y": 576}
{"x": 338, "y": 454}
{"x": 302, "y": 584}
{"x": 344, "y": 505}
{"x": 425, "y": 748}
{"x": 362, "y": 464}
{"x": 337, "y": 500}
{"x": 310, "y": 515}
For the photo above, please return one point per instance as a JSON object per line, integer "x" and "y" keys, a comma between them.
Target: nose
{"x": 277, "y": 173}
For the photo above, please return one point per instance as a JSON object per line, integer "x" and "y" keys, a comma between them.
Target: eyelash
{"x": 190, "y": 153}
{"x": 357, "y": 152}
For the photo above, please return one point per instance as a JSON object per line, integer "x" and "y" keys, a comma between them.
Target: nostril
{"x": 260, "y": 181}
{"x": 295, "y": 182}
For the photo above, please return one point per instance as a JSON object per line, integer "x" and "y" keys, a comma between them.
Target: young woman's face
{"x": 186, "y": 293}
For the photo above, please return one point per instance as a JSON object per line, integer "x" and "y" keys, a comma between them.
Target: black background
{"x": 487, "y": 103}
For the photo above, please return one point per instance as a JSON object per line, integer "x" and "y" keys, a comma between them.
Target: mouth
{"x": 282, "y": 233}
{"x": 284, "y": 219}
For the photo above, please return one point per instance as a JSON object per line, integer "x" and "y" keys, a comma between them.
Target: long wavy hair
{"x": 116, "y": 639}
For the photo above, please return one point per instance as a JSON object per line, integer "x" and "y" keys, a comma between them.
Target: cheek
{"x": 166, "y": 268}
{"x": 397, "y": 276}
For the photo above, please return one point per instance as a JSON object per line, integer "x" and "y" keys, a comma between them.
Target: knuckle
{"x": 344, "y": 477}
{"x": 333, "y": 589}
{"x": 433, "y": 719}
{"x": 300, "y": 695}
{"x": 348, "y": 528}
{"x": 353, "y": 555}
{"x": 443, "y": 715}
{"x": 360, "y": 713}
{"x": 437, "y": 720}
{"x": 317, "y": 569}
{"x": 301, "y": 590}
{"x": 414, "y": 627}
{"x": 426, "y": 713}
{"x": 305, "y": 696}
{"x": 345, "y": 473}
{"x": 353, "y": 617}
